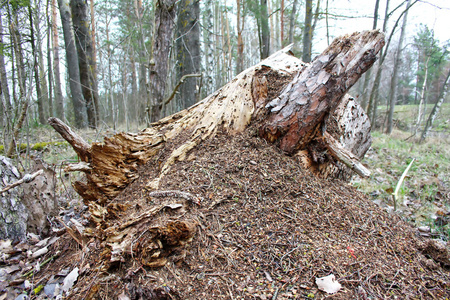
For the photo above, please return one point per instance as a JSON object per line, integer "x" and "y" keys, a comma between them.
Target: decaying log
{"x": 309, "y": 107}
{"x": 318, "y": 89}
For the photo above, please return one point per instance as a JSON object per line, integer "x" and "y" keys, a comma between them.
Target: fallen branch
{"x": 78, "y": 144}
{"x": 345, "y": 156}
{"x": 25, "y": 179}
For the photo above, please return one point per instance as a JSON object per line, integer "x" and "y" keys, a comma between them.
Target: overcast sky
{"x": 434, "y": 13}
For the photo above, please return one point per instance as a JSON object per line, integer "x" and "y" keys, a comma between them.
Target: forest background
{"x": 125, "y": 64}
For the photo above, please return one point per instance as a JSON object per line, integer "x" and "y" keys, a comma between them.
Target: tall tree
{"x": 240, "y": 41}
{"x": 208, "y": 41}
{"x": 292, "y": 21}
{"x": 3, "y": 75}
{"x": 165, "y": 13}
{"x": 59, "y": 103}
{"x": 40, "y": 98}
{"x": 307, "y": 32}
{"x": 394, "y": 79}
{"x": 72, "y": 65}
{"x": 86, "y": 60}
{"x": 368, "y": 74}
{"x": 264, "y": 31}
{"x": 188, "y": 51}
{"x": 436, "y": 108}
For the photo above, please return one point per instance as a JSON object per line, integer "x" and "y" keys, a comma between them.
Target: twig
{"x": 40, "y": 265}
{"x": 166, "y": 101}
{"x": 25, "y": 179}
{"x": 176, "y": 194}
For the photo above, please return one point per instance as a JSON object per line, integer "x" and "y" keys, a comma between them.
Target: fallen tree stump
{"x": 292, "y": 119}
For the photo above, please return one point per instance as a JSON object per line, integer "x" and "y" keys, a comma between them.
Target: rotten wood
{"x": 291, "y": 113}
{"x": 345, "y": 156}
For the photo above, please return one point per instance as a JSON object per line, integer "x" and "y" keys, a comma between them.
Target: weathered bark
{"x": 299, "y": 112}
{"x": 188, "y": 52}
{"x": 72, "y": 65}
{"x": 317, "y": 90}
{"x": 165, "y": 12}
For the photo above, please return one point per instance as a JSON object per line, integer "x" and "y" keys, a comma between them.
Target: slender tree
{"x": 59, "y": 103}
{"x": 40, "y": 98}
{"x": 3, "y": 75}
{"x": 307, "y": 32}
{"x": 437, "y": 107}
{"x": 292, "y": 21}
{"x": 264, "y": 32}
{"x": 240, "y": 41}
{"x": 394, "y": 79}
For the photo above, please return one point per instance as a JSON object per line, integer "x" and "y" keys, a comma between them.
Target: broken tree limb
{"x": 81, "y": 147}
{"x": 345, "y": 156}
{"x": 317, "y": 90}
{"x": 25, "y": 179}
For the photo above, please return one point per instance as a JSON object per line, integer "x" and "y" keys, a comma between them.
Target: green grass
{"x": 426, "y": 189}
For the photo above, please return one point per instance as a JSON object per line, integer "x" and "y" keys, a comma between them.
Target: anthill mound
{"x": 265, "y": 229}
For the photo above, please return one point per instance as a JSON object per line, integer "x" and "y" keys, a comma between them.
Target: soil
{"x": 262, "y": 227}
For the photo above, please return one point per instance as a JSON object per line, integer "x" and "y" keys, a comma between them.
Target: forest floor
{"x": 265, "y": 228}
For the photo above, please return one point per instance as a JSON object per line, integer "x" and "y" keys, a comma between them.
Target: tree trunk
{"x": 40, "y": 98}
{"x": 295, "y": 120}
{"x": 265, "y": 32}
{"x": 165, "y": 12}
{"x": 3, "y": 76}
{"x": 188, "y": 57}
{"x": 209, "y": 62}
{"x": 292, "y": 22}
{"x": 436, "y": 108}
{"x": 86, "y": 60}
{"x": 240, "y": 42}
{"x": 72, "y": 65}
{"x": 59, "y": 103}
{"x": 307, "y": 32}
{"x": 397, "y": 66}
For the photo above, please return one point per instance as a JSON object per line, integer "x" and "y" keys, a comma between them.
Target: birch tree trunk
{"x": 436, "y": 108}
